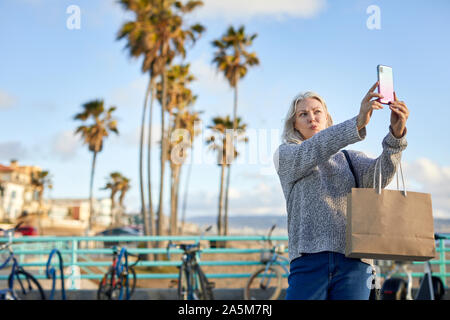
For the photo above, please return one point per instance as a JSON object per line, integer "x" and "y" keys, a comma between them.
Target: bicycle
{"x": 192, "y": 281}
{"x": 396, "y": 288}
{"x": 117, "y": 278}
{"x": 17, "y": 272}
{"x": 51, "y": 273}
{"x": 259, "y": 286}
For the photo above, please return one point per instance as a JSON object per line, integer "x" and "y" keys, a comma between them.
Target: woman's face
{"x": 310, "y": 117}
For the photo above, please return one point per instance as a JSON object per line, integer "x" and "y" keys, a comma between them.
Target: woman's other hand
{"x": 399, "y": 116}
{"x": 367, "y": 107}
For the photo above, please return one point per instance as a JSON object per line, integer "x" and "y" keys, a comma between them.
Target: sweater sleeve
{"x": 390, "y": 158}
{"x": 295, "y": 161}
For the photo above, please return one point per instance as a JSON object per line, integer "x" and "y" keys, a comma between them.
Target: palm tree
{"x": 117, "y": 183}
{"x": 188, "y": 120}
{"x": 124, "y": 186}
{"x": 93, "y": 135}
{"x": 220, "y": 142}
{"x": 179, "y": 98}
{"x": 164, "y": 38}
{"x": 233, "y": 59}
{"x": 113, "y": 184}
{"x": 41, "y": 180}
{"x": 173, "y": 43}
{"x": 179, "y": 147}
{"x": 141, "y": 41}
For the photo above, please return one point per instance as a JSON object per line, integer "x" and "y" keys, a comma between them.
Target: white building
{"x": 78, "y": 209}
{"x": 16, "y": 192}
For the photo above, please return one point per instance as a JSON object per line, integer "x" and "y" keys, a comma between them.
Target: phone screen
{"x": 386, "y": 85}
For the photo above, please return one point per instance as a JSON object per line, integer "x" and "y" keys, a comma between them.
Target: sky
{"x": 50, "y": 66}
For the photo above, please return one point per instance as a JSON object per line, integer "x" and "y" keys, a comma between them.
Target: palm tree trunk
{"x": 229, "y": 167}
{"x": 186, "y": 189}
{"x": 227, "y": 189}
{"x": 113, "y": 214}
{"x": 177, "y": 192}
{"x": 172, "y": 231}
{"x": 174, "y": 200}
{"x": 91, "y": 198}
{"x": 219, "y": 217}
{"x": 122, "y": 208}
{"x": 175, "y": 181}
{"x": 235, "y": 106}
{"x": 152, "y": 213}
{"x": 160, "y": 229}
{"x": 141, "y": 174}
{"x": 152, "y": 226}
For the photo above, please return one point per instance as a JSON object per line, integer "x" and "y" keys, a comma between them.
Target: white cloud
{"x": 280, "y": 9}
{"x": 7, "y": 100}
{"x": 65, "y": 144}
{"x": 424, "y": 175}
{"x": 130, "y": 95}
{"x": 262, "y": 199}
{"x": 12, "y": 150}
{"x": 207, "y": 78}
{"x": 132, "y": 139}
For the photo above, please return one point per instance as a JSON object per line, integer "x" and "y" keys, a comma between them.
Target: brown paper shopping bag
{"x": 389, "y": 224}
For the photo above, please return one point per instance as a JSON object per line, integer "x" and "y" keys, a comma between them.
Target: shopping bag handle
{"x": 379, "y": 177}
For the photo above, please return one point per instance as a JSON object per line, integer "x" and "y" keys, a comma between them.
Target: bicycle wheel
{"x": 105, "y": 287}
{"x": 131, "y": 280}
{"x": 109, "y": 288}
{"x": 28, "y": 287}
{"x": 182, "y": 290}
{"x": 121, "y": 284}
{"x": 263, "y": 285}
{"x": 202, "y": 289}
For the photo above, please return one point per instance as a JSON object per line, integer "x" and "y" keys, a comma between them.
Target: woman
{"x": 316, "y": 178}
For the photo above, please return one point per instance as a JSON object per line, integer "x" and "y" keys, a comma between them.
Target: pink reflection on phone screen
{"x": 386, "y": 85}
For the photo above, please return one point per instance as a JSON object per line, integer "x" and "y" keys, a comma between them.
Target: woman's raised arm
{"x": 295, "y": 161}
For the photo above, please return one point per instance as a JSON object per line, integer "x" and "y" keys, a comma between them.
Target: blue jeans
{"x": 328, "y": 276}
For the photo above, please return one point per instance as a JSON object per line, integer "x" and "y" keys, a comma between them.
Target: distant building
{"x": 78, "y": 209}
{"x": 18, "y": 194}
{"x": 16, "y": 190}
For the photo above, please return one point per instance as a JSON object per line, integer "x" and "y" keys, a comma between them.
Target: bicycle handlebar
{"x": 10, "y": 234}
{"x": 438, "y": 236}
{"x": 185, "y": 247}
{"x": 12, "y": 229}
{"x": 270, "y": 234}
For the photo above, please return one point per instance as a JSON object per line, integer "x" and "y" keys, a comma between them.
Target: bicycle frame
{"x": 274, "y": 261}
{"x": 403, "y": 267}
{"x": 15, "y": 266}
{"x": 189, "y": 260}
{"x": 120, "y": 267}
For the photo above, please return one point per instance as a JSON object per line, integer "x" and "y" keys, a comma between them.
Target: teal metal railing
{"x": 89, "y": 259}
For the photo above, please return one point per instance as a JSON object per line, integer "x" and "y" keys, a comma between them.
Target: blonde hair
{"x": 292, "y": 135}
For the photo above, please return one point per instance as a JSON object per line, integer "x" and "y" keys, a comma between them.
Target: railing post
{"x": 442, "y": 261}
{"x": 75, "y": 271}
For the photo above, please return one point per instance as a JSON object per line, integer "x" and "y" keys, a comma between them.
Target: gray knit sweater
{"x": 316, "y": 178}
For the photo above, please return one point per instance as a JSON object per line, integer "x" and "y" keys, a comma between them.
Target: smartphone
{"x": 386, "y": 84}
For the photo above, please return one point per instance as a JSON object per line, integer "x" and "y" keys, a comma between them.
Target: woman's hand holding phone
{"x": 399, "y": 116}
{"x": 367, "y": 106}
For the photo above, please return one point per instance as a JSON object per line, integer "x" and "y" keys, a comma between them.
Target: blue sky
{"x": 48, "y": 71}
